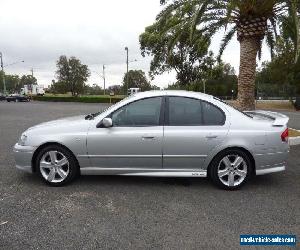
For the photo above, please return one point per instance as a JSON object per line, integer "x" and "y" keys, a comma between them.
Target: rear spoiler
{"x": 279, "y": 119}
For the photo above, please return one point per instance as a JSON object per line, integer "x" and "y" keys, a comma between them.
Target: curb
{"x": 294, "y": 141}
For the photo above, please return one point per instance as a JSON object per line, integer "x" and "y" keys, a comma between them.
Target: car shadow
{"x": 138, "y": 181}
{"x": 256, "y": 182}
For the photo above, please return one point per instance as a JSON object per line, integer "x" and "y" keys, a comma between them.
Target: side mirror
{"x": 107, "y": 122}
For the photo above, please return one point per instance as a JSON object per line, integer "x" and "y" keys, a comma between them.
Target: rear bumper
{"x": 270, "y": 170}
{"x": 271, "y": 162}
{"x": 23, "y": 157}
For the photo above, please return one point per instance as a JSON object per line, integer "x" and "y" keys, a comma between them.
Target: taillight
{"x": 285, "y": 135}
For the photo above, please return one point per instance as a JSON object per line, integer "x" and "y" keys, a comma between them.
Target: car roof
{"x": 182, "y": 93}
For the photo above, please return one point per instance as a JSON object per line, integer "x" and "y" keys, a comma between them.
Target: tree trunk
{"x": 249, "y": 47}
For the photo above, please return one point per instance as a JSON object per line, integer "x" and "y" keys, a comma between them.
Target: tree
{"x": 14, "y": 83}
{"x": 27, "y": 80}
{"x": 170, "y": 45}
{"x": 290, "y": 28}
{"x": 58, "y": 87}
{"x": 220, "y": 80}
{"x": 136, "y": 79}
{"x": 72, "y": 73}
{"x": 11, "y": 83}
{"x": 251, "y": 20}
{"x": 116, "y": 89}
{"x": 281, "y": 76}
{"x": 93, "y": 90}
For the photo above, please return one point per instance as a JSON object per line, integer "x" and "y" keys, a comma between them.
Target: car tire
{"x": 56, "y": 165}
{"x": 230, "y": 169}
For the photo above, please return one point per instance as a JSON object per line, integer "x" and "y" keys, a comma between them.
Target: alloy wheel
{"x": 232, "y": 170}
{"x": 54, "y": 166}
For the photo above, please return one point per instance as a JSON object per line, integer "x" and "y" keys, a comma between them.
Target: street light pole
{"x": 104, "y": 77}
{"x": 127, "y": 62}
{"x": 3, "y": 74}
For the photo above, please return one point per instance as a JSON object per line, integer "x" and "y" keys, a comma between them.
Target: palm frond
{"x": 225, "y": 41}
{"x": 199, "y": 13}
{"x": 270, "y": 40}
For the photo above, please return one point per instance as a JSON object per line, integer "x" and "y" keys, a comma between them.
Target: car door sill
{"x": 144, "y": 172}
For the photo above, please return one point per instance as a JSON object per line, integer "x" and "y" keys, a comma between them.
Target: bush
{"x": 85, "y": 99}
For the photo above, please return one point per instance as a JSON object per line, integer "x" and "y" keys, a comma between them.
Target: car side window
{"x": 184, "y": 111}
{"x": 212, "y": 115}
{"x": 145, "y": 112}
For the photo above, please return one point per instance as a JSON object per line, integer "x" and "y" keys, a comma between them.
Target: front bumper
{"x": 23, "y": 157}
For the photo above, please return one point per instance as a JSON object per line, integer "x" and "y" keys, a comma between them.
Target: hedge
{"x": 85, "y": 99}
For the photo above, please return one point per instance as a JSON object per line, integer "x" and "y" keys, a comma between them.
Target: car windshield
{"x": 93, "y": 115}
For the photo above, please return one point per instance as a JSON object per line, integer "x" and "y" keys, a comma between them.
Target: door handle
{"x": 211, "y": 136}
{"x": 148, "y": 137}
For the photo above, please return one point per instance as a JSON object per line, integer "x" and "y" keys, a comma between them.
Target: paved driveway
{"x": 109, "y": 212}
{"x": 294, "y": 116}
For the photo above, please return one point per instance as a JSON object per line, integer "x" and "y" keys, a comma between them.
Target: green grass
{"x": 84, "y": 99}
{"x": 69, "y": 95}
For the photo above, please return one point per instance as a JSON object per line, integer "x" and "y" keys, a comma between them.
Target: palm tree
{"x": 291, "y": 28}
{"x": 251, "y": 20}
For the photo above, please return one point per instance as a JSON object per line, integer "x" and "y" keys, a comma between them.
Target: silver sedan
{"x": 158, "y": 133}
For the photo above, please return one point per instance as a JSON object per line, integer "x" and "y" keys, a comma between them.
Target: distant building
{"x": 33, "y": 90}
{"x": 133, "y": 91}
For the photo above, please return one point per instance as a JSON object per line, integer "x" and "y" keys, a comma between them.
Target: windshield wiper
{"x": 91, "y": 116}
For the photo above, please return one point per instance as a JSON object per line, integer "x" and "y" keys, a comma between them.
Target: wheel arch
{"x": 42, "y": 146}
{"x": 251, "y": 158}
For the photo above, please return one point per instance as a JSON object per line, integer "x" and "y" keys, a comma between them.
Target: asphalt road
{"x": 109, "y": 212}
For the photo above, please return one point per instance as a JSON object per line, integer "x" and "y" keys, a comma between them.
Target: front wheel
{"x": 230, "y": 169}
{"x": 56, "y": 165}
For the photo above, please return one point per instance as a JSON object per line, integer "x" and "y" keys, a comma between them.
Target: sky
{"x": 95, "y": 31}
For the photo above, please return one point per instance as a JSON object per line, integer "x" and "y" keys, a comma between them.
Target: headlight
{"x": 22, "y": 140}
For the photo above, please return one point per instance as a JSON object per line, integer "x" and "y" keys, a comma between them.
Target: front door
{"x": 193, "y": 128}
{"x": 134, "y": 140}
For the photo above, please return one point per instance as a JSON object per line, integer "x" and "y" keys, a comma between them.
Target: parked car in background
{"x": 159, "y": 133}
{"x": 17, "y": 98}
{"x": 2, "y": 97}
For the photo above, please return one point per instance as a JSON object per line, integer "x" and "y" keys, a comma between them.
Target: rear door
{"x": 193, "y": 128}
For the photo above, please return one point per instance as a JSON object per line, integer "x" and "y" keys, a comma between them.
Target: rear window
{"x": 184, "y": 111}
{"x": 212, "y": 116}
{"x": 231, "y": 106}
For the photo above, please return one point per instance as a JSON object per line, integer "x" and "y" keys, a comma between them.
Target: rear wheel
{"x": 230, "y": 169}
{"x": 56, "y": 165}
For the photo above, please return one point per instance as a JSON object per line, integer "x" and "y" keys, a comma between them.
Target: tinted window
{"x": 145, "y": 112}
{"x": 212, "y": 115}
{"x": 184, "y": 112}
